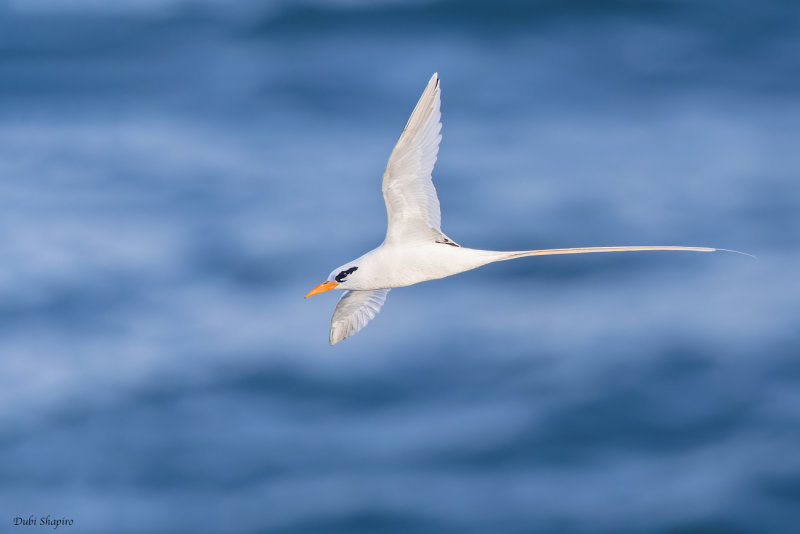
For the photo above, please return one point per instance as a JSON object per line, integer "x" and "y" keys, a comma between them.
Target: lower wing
{"x": 354, "y": 310}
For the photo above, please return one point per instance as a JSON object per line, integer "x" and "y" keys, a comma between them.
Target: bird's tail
{"x": 502, "y": 256}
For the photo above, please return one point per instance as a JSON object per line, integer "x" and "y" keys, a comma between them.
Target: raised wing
{"x": 412, "y": 207}
{"x": 354, "y": 310}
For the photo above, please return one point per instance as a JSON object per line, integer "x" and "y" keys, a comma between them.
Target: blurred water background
{"x": 176, "y": 174}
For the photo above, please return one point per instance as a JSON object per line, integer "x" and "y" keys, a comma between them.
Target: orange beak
{"x": 324, "y": 286}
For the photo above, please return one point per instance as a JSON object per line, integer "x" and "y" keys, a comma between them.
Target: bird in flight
{"x": 415, "y": 249}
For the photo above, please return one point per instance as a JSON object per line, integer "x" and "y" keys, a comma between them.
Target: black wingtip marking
{"x": 448, "y": 241}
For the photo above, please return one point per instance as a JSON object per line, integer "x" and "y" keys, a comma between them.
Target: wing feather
{"x": 354, "y": 310}
{"x": 412, "y": 207}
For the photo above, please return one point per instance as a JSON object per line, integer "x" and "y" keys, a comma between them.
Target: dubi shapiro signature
{"x": 43, "y": 521}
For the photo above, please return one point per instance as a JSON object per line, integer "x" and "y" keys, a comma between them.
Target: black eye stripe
{"x": 342, "y": 275}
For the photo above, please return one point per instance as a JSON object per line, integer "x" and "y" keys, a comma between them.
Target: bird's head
{"x": 340, "y": 278}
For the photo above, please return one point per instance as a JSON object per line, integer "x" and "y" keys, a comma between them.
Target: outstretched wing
{"x": 412, "y": 207}
{"x": 354, "y": 310}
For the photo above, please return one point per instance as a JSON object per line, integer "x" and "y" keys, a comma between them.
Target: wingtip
{"x": 337, "y": 334}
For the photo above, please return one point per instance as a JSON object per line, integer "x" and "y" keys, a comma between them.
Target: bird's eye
{"x": 342, "y": 275}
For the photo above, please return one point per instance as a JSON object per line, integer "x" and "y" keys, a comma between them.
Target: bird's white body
{"x": 415, "y": 249}
{"x": 400, "y": 265}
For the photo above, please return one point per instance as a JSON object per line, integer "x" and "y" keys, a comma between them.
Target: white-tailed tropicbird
{"x": 415, "y": 249}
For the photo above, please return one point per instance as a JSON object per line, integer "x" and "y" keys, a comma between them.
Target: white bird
{"x": 415, "y": 249}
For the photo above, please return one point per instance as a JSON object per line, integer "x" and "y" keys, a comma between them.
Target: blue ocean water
{"x": 176, "y": 174}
